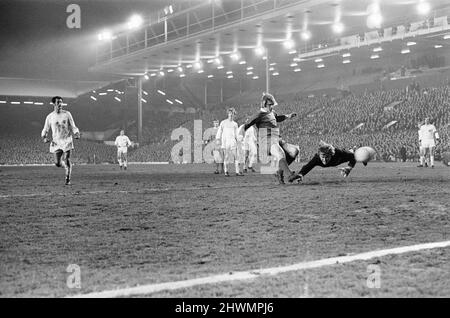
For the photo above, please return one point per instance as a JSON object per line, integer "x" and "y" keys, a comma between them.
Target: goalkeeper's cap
{"x": 325, "y": 148}
{"x": 268, "y": 99}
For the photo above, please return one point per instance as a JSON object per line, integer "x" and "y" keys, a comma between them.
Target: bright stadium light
{"x": 249, "y": 73}
{"x": 28, "y": 103}
{"x": 255, "y": 77}
{"x": 346, "y": 61}
{"x": 220, "y": 67}
{"x": 39, "y": 103}
{"x": 198, "y": 65}
{"x": 182, "y": 75}
{"x": 180, "y": 69}
{"x": 169, "y": 101}
{"x": 145, "y": 93}
{"x": 93, "y": 98}
{"x": 103, "y": 93}
{"x": 346, "y": 55}
{"x": 161, "y": 92}
{"x": 161, "y": 73}
{"x": 260, "y": 50}
{"x": 271, "y": 68}
{"x": 144, "y": 100}
{"x": 411, "y": 43}
{"x": 242, "y": 62}
{"x": 374, "y": 56}
{"x": 447, "y": 36}
{"x": 292, "y": 52}
{"x": 423, "y": 7}
{"x": 169, "y": 70}
{"x": 249, "y": 68}
{"x": 200, "y": 71}
{"x": 105, "y": 35}
{"x": 210, "y": 76}
{"x": 275, "y": 74}
{"x": 179, "y": 101}
{"x": 378, "y": 49}
{"x": 2, "y": 101}
{"x": 117, "y": 98}
{"x": 135, "y": 21}
{"x": 235, "y": 55}
{"x": 374, "y": 18}
{"x": 289, "y": 44}
{"x": 318, "y": 60}
{"x": 297, "y": 69}
{"x": 146, "y": 76}
{"x": 229, "y": 72}
{"x": 230, "y": 76}
{"x": 305, "y": 35}
{"x": 338, "y": 27}
{"x": 189, "y": 66}
{"x": 405, "y": 51}
{"x": 293, "y": 64}
{"x": 15, "y": 103}
{"x": 437, "y": 46}
{"x": 153, "y": 74}
{"x": 320, "y": 65}
{"x": 218, "y": 60}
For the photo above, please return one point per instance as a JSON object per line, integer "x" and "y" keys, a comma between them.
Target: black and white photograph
{"x": 224, "y": 154}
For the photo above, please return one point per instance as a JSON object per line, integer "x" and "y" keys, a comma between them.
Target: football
{"x": 364, "y": 154}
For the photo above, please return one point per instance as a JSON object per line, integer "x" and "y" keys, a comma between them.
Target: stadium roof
{"x": 238, "y": 26}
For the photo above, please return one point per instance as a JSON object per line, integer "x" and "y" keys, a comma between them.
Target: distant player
{"x": 122, "y": 143}
{"x": 250, "y": 148}
{"x": 268, "y": 119}
{"x": 62, "y": 125}
{"x": 217, "y": 151}
{"x": 428, "y": 139}
{"x": 327, "y": 156}
{"x": 228, "y": 135}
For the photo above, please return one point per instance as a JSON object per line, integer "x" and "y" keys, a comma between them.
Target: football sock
{"x": 432, "y": 160}
{"x": 422, "y": 160}
{"x": 236, "y": 165}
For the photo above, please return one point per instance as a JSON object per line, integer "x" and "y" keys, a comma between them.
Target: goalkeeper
{"x": 327, "y": 156}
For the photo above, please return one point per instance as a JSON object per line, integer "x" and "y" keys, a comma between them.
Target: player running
{"x": 327, "y": 156}
{"x": 122, "y": 143}
{"x": 228, "y": 136}
{"x": 428, "y": 138}
{"x": 250, "y": 148}
{"x": 268, "y": 119}
{"x": 61, "y": 123}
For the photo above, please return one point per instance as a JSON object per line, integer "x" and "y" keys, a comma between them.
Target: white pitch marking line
{"x": 247, "y": 275}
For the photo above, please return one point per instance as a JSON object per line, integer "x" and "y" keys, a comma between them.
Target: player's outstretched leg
{"x": 125, "y": 161}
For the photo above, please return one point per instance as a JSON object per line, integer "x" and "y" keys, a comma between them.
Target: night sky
{"x": 35, "y": 41}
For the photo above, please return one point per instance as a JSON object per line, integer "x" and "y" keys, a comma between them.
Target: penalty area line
{"x": 252, "y": 274}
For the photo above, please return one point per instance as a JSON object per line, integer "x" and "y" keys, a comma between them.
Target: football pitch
{"x": 157, "y": 226}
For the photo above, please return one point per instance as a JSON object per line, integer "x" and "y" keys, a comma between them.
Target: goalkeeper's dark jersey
{"x": 339, "y": 157}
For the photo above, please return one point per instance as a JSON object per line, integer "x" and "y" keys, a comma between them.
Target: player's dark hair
{"x": 55, "y": 98}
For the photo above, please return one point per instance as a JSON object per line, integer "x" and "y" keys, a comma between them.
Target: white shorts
{"x": 229, "y": 144}
{"x": 427, "y": 143}
{"x": 240, "y": 153}
{"x": 122, "y": 150}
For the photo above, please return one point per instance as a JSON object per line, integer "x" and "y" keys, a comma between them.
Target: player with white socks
{"x": 250, "y": 148}
{"x": 428, "y": 138}
{"x": 61, "y": 123}
{"x": 228, "y": 136}
{"x": 122, "y": 142}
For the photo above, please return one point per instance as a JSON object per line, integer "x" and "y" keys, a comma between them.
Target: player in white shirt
{"x": 228, "y": 136}
{"x": 250, "y": 148}
{"x": 61, "y": 123}
{"x": 217, "y": 151}
{"x": 122, "y": 143}
{"x": 428, "y": 138}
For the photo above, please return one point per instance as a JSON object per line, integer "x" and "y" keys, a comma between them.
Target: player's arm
{"x": 254, "y": 121}
{"x": 315, "y": 161}
{"x": 436, "y": 136}
{"x": 346, "y": 156}
{"x": 46, "y": 129}
{"x": 281, "y": 118}
{"x": 219, "y": 132}
{"x": 128, "y": 142}
{"x": 75, "y": 129}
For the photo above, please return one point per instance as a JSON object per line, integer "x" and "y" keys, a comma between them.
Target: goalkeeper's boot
{"x": 295, "y": 176}
{"x": 280, "y": 176}
{"x": 67, "y": 181}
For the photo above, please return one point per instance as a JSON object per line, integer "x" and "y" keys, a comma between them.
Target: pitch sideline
{"x": 252, "y": 274}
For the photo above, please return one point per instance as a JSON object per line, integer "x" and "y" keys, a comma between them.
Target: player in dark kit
{"x": 268, "y": 119}
{"x": 327, "y": 156}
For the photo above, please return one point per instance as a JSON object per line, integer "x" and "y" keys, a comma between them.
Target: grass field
{"x": 162, "y": 223}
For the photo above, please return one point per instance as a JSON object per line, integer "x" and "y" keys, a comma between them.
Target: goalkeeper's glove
{"x": 345, "y": 171}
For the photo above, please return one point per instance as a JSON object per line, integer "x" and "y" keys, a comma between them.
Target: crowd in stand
{"x": 385, "y": 120}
